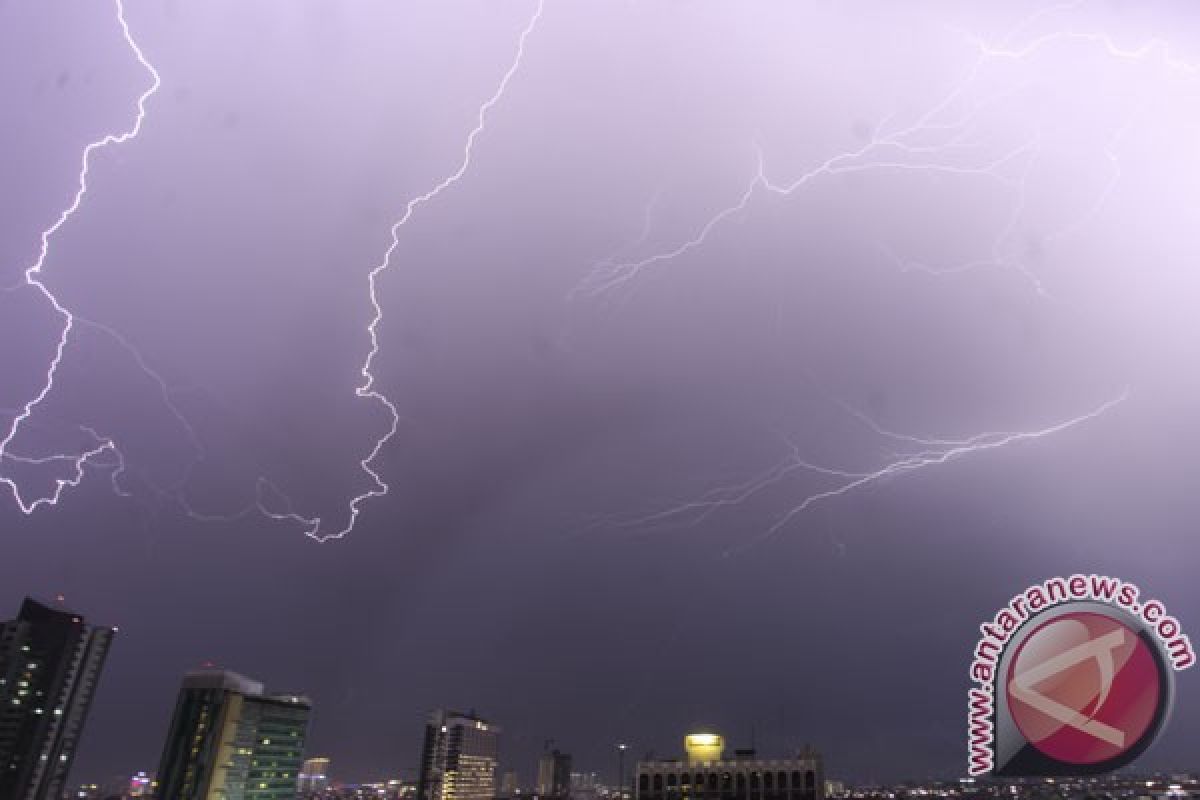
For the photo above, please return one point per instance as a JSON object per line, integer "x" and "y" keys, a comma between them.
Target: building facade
{"x": 228, "y": 740}
{"x": 50, "y": 662}
{"x": 708, "y": 775}
{"x": 314, "y": 777}
{"x": 554, "y": 774}
{"x": 510, "y": 785}
{"x": 458, "y": 758}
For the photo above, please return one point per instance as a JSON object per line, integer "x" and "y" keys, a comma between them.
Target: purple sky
{"x": 694, "y": 241}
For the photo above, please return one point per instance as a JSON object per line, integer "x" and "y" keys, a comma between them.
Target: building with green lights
{"x": 229, "y": 740}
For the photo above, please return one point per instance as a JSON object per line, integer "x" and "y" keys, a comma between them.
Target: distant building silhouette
{"x": 314, "y": 777}
{"x": 458, "y": 758}
{"x": 708, "y": 775}
{"x": 554, "y": 774}
{"x": 584, "y": 781}
{"x": 142, "y": 785}
{"x": 231, "y": 741}
{"x": 50, "y": 662}
{"x": 584, "y": 785}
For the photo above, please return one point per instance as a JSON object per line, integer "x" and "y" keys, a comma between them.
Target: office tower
{"x": 554, "y": 774}
{"x": 509, "y": 785}
{"x": 708, "y": 775}
{"x": 229, "y": 740}
{"x": 458, "y": 758}
{"x": 314, "y": 776}
{"x": 50, "y": 662}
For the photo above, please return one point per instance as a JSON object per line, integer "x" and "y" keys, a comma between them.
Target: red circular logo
{"x": 1084, "y": 688}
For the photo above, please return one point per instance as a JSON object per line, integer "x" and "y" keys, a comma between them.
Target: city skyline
{"x": 459, "y": 750}
{"x": 218, "y": 708}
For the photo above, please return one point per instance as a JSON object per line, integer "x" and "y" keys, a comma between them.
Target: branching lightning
{"x": 922, "y": 453}
{"x": 938, "y": 141}
{"x": 942, "y": 139}
{"x": 100, "y": 445}
{"x": 32, "y": 279}
{"x": 884, "y": 152}
{"x": 899, "y": 150}
{"x": 269, "y": 500}
{"x": 313, "y": 525}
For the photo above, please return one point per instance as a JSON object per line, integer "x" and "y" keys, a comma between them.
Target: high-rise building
{"x": 554, "y": 774}
{"x": 50, "y": 662}
{"x": 229, "y": 740}
{"x": 314, "y": 777}
{"x": 458, "y": 758}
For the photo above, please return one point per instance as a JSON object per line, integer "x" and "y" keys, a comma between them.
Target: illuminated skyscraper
{"x": 230, "y": 741}
{"x": 50, "y": 662}
{"x": 458, "y": 759}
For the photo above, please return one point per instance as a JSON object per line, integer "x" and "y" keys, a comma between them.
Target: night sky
{"x": 652, "y": 352}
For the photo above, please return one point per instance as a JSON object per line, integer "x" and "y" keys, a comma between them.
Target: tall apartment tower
{"x": 554, "y": 775}
{"x": 50, "y": 662}
{"x": 458, "y": 759}
{"x": 229, "y": 740}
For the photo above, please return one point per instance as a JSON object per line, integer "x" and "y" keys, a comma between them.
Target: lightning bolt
{"x": 900, "y": 150}
{"x": 929, "y": 452}
{"x": 100, "y": 444}
{"x": 313, "y": 525}
{"x": 885, "y": 151}
{"x": 881, "y": 153}
{"x": 269, "y": 500}
{"x": 938, "y": 140}
{"x": 31, "y": 278}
